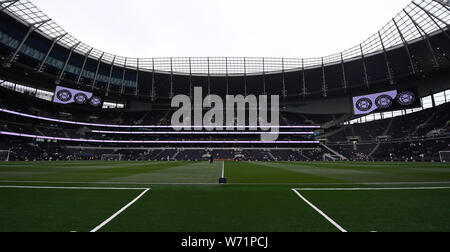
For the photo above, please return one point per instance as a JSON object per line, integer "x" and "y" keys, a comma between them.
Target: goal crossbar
{"x": 112, "y": 157}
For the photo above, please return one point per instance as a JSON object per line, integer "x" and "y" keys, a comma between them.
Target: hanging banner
{"x": 386, "y": 101}
{"x": 64, "y": 95}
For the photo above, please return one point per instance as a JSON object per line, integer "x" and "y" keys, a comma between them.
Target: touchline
{"x": 190, "y": 114}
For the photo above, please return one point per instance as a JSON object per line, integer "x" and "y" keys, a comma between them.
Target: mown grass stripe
{"x": 71, "y": 188}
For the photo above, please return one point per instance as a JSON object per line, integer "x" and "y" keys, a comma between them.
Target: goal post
{"x": 444, "y": 156}
{"x": 112, "y": 157}
{"x": 4, "y": 155}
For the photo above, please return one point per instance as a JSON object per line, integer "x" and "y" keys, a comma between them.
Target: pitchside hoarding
{"x": 386, "y": 101}
{"x": 64, "y": 95}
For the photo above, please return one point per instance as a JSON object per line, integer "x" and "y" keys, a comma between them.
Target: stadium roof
{"x": 415, "y": 21}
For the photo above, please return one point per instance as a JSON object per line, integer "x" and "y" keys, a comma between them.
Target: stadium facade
{"x": 402, "y": 64}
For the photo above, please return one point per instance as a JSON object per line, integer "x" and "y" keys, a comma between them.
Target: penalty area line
{"x": 119, "y": 212}
{"x": 320, "y": 212}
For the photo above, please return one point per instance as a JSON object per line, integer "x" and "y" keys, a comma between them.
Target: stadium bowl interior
{"x": 375, "y": 116}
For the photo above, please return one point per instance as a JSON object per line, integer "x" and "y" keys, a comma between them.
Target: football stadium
{"x": 357, "y": 141}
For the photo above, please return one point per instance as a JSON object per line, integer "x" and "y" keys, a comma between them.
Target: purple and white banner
{"x": 64, "y": 95}
{"x": 386, "y": 101}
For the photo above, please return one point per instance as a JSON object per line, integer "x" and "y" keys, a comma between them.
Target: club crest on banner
{"x": 64, "y": 95}
{"x": 385, "y": 101}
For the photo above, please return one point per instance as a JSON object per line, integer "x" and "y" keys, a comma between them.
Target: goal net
{"x": 4, "y": 155}
{"x": 112, "y": 157}
{"x": 330, "y": 158}
{"x": 444, "y": 156}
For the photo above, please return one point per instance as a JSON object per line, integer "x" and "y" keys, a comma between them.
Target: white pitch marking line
{"x": 71, "y": 188}
{"x": 102, "y": 183}
{"x": 320, "y": 212}
{"x": 151, "y": 183}
{"x": 223, "y": 169}
{"x": 372, "y": 189}
{"x": 119, "y": 212}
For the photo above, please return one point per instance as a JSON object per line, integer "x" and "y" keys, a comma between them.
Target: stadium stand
{"x": 410, "y": 52}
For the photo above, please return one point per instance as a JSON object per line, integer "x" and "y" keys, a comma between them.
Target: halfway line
{"x": 223, "y": 169}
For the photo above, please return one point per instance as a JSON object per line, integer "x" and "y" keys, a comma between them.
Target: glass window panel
{"x": 397, "y": 113}
{"x": 387, "y": 115}
{"x": 427, "y": 102}
{"x": 439, "y": 98}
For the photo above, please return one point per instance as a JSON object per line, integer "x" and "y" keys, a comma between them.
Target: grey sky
{"x": 253, "y": 28}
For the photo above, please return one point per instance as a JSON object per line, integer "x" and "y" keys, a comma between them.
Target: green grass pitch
{"x": 259, "y": 197}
